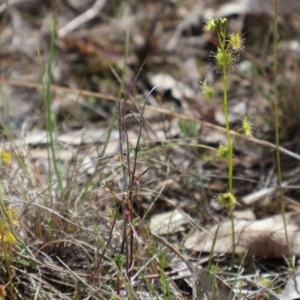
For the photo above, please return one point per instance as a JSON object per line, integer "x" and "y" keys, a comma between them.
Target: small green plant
{"x": 230, "y": 46}
{"x": 188, "y": 128}
{"x": 119, "y": 261}
{"x": 163, "y": 263}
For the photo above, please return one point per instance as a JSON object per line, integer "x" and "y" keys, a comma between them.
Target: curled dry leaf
{"x": 264, "y": 238}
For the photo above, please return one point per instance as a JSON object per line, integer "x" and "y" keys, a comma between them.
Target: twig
{"x": 81, "y": 19}
{"x": 156, "y": 109}
{"x": 190, "y": 266}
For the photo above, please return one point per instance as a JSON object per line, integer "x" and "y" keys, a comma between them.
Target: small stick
{"x": 81, "y": 19}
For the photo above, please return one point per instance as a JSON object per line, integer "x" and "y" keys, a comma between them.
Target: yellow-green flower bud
{"x": 223, "y": 59}
{"x": 227, "y": 200}
{"x": 206, "y": 90}
{"x": 236, "y": 41}
{"x": 223, "y": 152}
{"x": 210, "y": 26}
{"x": 246, "y": 127}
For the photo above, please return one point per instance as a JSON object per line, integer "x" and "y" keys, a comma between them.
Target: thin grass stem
{"x": 49, "y": 116}
{"x": 276, "y": 121}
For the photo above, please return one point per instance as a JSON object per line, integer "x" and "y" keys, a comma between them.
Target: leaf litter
{"x": 253, "y": 236}
{"x": 263, "y": 238}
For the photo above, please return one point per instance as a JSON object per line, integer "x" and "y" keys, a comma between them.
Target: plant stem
{"x": 230, "y": 159}
{"x": 276, "y": 121}
{"x": 49, "y": 115}
{"x": 7, "y": 264}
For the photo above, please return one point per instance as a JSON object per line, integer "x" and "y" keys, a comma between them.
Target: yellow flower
{"x": 6, "y": 157}
{"x": 8, "y": 238}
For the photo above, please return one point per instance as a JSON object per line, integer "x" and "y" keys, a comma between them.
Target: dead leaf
{"x": 266, "y": 7}
{"x": 265, "y": 238}
{"x": 167, "y": 82}
{"x": 169, "y": 222}
{"x": 292, "y": 288}
{"x": 246, "y": 214}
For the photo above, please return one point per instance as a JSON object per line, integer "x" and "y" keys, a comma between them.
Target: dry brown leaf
{"x": 265, "y": 238}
